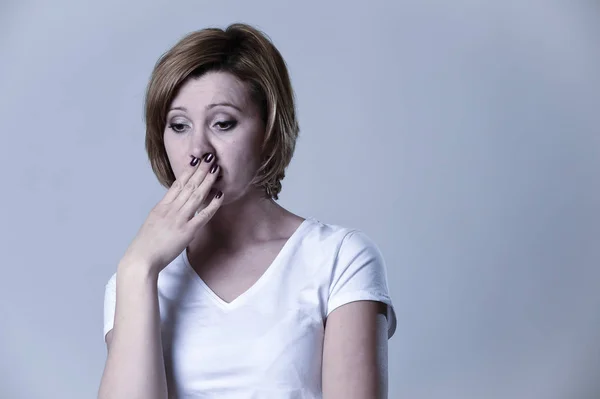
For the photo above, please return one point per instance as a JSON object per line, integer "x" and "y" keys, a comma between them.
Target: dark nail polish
{"x": 194, "y": 161}
{"x": 219, "y": 194}
{"x": 208, "y": 157}
{"x": 214, "y": 168}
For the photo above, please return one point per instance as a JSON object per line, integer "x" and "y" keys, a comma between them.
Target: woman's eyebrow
{"x": 226, "y": 104}
{"x": 209, "y": 106}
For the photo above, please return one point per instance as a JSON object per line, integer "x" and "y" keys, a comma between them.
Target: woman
{"x": 223, "y": 293}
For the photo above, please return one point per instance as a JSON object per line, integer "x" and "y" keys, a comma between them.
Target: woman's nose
{"x": 201, "y": 144}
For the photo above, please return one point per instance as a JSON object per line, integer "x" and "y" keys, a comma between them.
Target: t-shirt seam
{"x": 378, "y": 295}
{"x": 344, "y": 239}
{"x": 333, "y": 274}
{"x": 337, "y": 253}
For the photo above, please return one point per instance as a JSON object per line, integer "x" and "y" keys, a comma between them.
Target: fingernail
{"x": 208, "y": 157}
{"x": 214, "y": 168}
{"x": 194, "y": 161}
{"x": 219, "y": 194}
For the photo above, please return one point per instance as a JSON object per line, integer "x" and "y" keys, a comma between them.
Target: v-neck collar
{"x": 262, "y": 280}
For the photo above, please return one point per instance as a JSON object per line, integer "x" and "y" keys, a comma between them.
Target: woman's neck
{"x": 250, "y": 219}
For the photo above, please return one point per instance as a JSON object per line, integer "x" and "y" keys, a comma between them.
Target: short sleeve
{"x": 110, "y": 296}
{"x": 360, "y": 274}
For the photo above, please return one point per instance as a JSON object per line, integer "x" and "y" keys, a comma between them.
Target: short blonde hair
{"x": 248, "y": 54}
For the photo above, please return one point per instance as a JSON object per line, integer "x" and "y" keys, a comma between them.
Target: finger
{"x": 194, "y": 183}
{"x": 179, "y": 183}
{"x": 203, "y": 170}
{"x": 198, "y": 196}
{"x": 207, "y": 213}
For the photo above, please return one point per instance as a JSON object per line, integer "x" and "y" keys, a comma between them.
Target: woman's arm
{"x": 135, "y": 365}
{"x": 355, "y": 351}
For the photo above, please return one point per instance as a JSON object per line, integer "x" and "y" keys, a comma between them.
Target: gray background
{"x": 462, "y": 136}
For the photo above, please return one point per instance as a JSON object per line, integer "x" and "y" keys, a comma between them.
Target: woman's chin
{"x": 212, "y": 193}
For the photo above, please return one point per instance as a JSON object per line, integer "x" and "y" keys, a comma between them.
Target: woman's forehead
{"x": 213, "y": 88}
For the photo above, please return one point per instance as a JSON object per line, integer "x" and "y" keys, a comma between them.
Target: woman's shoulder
{"x": 339, "y": 234}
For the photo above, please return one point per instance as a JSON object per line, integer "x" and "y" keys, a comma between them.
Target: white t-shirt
{"x": 268, "y": 342}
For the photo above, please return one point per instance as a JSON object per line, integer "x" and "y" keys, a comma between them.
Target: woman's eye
{"x": 177, "y": 127}
{"x": 225, "y": 125}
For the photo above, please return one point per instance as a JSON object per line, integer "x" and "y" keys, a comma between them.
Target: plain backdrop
{"x": 462, "y": 136}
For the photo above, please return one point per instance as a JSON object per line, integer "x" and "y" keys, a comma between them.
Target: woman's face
{"x": 215, "y": 113}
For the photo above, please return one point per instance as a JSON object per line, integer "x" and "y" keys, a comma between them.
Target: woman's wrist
{"x": 136, "y": 271}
